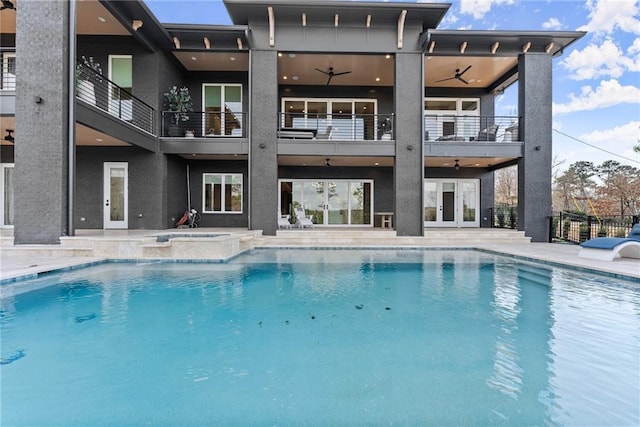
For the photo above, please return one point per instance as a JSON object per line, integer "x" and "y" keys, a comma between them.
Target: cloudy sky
{"x": 596, "y": 92}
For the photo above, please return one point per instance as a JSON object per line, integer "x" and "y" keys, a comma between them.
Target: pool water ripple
{"x": 324, "y": 338}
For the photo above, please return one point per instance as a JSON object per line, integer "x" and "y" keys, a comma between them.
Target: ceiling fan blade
{"x": 339, "y": 74}
{"x": 322, "y": 71}
{"x": 444, "y": 80}
{"x": 329, "y": 80}
{"x": 465, "y": 70}
{"x": 463, "y": 80}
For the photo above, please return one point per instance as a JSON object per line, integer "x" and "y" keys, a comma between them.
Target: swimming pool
{"x": 322, "y": 337}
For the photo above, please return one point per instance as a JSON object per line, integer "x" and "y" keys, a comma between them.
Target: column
{"x": 409, "y": 161}
{"x": 41, "y": 149}
{"x": 534, "y": 168}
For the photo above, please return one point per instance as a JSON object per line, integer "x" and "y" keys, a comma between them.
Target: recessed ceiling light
{"x": 477, "y": 164}
{"x": 193, "y": 155}
{"x": 292, "y": 55}
{"x": 101, "y": 19}
{"x": 377, "y": 79}
{"x": 232, "y": 58}
{"x": 387, "y": 56}
{"x": 99, "y": 139}
{"x": 193, "y": 58}
{"x": 280, "y": 54}
{"x": 377, "y": 164}
{"x": 295, "y": 77}
{"x": 364, "y": 108}
{"x": 284, "y": 77}
{"x": 445, "y": 164}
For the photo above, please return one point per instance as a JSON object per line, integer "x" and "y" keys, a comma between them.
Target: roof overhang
{"x": 498, "y": 43}
{"x": 209, "y": 38}
{"x": 334, "y": 13}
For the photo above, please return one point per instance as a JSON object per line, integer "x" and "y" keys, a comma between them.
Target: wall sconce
{"x": 537, "y": 148}
{"x": 410, "y": 147}
{"x": 262, "y": 145}
{"x": 37, "y": 100}
{"x": 136, "y": 24}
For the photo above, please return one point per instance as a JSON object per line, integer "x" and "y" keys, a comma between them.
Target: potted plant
{"x": 179, "y": 104}
{"x": 88, "y": 72}
{"x": 189, "y": 133}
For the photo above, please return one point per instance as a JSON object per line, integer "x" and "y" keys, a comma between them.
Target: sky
{"x": 596, "y": 82}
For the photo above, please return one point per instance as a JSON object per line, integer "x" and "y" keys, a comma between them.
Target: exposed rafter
{"x": 401, "y": 19}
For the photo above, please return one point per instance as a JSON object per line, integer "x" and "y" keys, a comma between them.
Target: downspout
{"x": 71, "y": 120}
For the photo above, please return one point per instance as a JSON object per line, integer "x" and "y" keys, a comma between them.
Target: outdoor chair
{"x": 609, "y": 248}
{"x": 488, "y": 134}
{"x": 302, "y": 220}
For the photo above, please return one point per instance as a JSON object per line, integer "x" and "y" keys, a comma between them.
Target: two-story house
{"x": 343, "y": 109}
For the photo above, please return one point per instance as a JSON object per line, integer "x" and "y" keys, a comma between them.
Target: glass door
{"x": 329, "y": 202}
{"x": 116, "y": 194}
{"x": 222, "y": 104}
{"x": 121, "y": 73}
{"x": 451, "y": 203}
{"x": 6, "y": 197}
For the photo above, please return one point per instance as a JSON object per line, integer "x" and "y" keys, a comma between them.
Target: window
{"x": 451, "y": 117}
{"x": 222, "y": 193}
{"x": 8, "y": 71}
{"x": 222, "y": 104}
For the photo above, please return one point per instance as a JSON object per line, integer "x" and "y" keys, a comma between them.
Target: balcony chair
{"x": 283, "y": 221}
{"x": 326, "y": 134}
{"x": 488, "y": 134}
{"x": 609, "y": 248}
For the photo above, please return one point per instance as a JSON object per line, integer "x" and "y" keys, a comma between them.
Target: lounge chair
{"x": 283, "y": 221}
{"x": 302, "y": 220}
{"x": 326, "y": 134}
{"x": 608, "y": 248}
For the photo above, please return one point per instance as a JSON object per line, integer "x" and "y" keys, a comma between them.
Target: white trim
{"x": 223, "y": 102}
{"x": 8, "y": 79}
{"x": 106, "y": 202}
{"x": 127, "y": 113}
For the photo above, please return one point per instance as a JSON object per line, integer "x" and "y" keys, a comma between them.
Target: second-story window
{"x": 222, "y": 107}
{"x": 121, "y": 86}
{"x": 8, "y": 72}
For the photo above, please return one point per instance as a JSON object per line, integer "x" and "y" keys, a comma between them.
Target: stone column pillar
{"x": 534, "y": 168}
{"x": 409, "y": 161}
{"x": 263, "y": 149}
{"x": 42, "y": 91}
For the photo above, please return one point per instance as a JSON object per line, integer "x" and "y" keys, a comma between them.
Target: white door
{"x": 116, "y": 194}
{"x": 451, "y": 203}
{"x": 6, "y": 194}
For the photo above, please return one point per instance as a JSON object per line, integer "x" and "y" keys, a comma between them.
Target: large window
{"x": 222, "y": 193}
{"x": 222, "y": 105}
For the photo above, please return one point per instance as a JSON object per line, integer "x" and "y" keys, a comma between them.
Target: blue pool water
{"x": 326, "y": 337}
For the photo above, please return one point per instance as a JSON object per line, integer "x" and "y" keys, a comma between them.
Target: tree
{"x": 506, "y": 186}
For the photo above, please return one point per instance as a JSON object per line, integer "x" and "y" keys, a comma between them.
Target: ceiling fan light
{"x": 457, "y": 165}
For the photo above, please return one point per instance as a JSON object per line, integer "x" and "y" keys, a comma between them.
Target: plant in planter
{"x": 179, "y": 104}
{"x": 603, "y": 231}
{"x": 88, "y": 73}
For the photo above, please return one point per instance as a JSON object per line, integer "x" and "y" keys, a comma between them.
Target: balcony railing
{"x": 204, "y": 124}
{"x": 439, "y": 127}
{"x": 95, "y": 89}
{"x": 349, "y": 127}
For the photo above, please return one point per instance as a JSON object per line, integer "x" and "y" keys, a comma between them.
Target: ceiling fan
{"x": 331, "y": 73}
{"x": 6, "y": 4}
{"x": 457, "y": 76}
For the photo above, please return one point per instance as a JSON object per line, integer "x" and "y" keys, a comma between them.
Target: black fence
{"x": 576, "y": 228}
{"x": 504, "y": 216}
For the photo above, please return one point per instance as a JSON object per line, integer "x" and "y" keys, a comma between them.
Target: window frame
{"x": 222, "y": 176}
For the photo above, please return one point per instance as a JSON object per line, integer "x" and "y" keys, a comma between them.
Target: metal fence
{"x": 504, "y": 216}
{"x": 203, "y": 124}
{"x": 577, "y": 228}
{"x": 441, "y": 127}
{"x": 95, "y": 89}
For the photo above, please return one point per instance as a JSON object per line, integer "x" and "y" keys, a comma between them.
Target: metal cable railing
{"x": 95, "y": 89}
{"x": 203, "y": 124}
{"x": 337, "y": 126}
{"x": 441, "y": 127}
{"x": 8, "y": 70}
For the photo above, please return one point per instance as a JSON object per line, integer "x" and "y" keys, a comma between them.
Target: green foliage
{"x": 179, "y": 101}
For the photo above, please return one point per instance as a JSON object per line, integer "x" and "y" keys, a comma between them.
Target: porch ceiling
{"x": 86, "y": 136}
{"x": 432, "y": 162}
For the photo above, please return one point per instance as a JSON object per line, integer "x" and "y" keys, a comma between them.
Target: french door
{"x": 116, "y": 195}
{"x": 329, "y": 202}
{"x": 451, "y": 203}
{"x": 121, "y": 73}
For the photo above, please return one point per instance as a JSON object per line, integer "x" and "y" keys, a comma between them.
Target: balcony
{"x": 96, "y": 90}
{"x": 203, "y": 124}
{"x": 446, "y": 128}
{"x": 341, "y": 127}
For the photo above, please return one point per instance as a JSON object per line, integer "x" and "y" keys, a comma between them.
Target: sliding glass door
{"x": 329, "y": 202}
